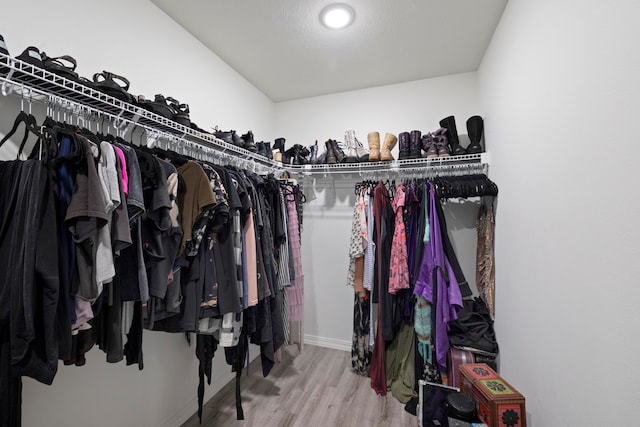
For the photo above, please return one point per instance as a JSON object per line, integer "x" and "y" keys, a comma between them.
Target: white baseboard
{"x": 327, "y": 342}
{"x": 181, "y": 416}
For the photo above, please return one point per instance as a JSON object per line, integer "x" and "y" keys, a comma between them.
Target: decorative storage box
{"x": 499, "y": 404}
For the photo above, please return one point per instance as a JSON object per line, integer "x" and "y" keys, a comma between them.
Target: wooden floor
{"x": 315, "y": 388}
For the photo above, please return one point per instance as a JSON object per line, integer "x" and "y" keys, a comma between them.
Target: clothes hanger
{"x": 22, "y": 117}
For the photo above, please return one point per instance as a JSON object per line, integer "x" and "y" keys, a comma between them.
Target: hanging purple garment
{"x": 435, "y": 271}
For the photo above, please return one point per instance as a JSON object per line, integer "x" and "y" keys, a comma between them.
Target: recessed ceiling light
{"x": 337, "y": 15}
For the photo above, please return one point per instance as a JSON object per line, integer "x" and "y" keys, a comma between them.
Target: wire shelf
{"x": 30, "y": 81}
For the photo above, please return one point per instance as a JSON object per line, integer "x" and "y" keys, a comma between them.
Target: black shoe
{"x": 302, "y": 155}
{"x": 331, "y": 154}
{"x": 289, "y": 156}
{"x": 248, "y": 142}
{"x": 452, "y": 135}
{"x": 415, "y": 144}
{"x": 267, "y": 149}
{"x": 338, "y": 153}
{"x": 224, "y": 136}
{"x": 260, "y": 147}
{"x": 237, "y": 139}
{"x": 404, "y": 146}
{"x": 475, "y": 130}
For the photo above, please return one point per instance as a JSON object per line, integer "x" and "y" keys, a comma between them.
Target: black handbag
{"x": 473, "y": 330}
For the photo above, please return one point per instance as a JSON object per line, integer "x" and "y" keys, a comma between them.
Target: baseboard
{"x": 327, "y": 342}
{"x": 181, "y": 416}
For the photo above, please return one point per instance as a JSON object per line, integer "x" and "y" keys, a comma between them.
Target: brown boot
{"x": 390, "y": 141}
{"x": 374, "y": 146}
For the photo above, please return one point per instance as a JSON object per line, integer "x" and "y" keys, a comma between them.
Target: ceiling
{"x": 281, "y": 47}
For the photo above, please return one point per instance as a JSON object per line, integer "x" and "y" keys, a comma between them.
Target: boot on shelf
{"x": 441, "y": 142}
{"x": 358, "y": 151}
{"x": 301, "y": 155}
{"x": 237, "y": 139}
{"x": 337, "y": 150}
{"x": 289, "y": 156}
{"x": 267, "y": 149}
{"x": 224, "y": 136}
{"x": 361, "y": 152}
{"x": 475, "y": 130}
{"x": 429, "y": 146}
{"x": 449, "y": 123}
{"x": 373, "y": 140}
{"x": 390, "y": 141}
{"x": 350, "y": 147}
{"x": 404, "y": 146}
{"x": 248, "y": 142}
{"x": 415, "y": 145}
{"x": 278, "y": 149}
{"x": 331, "y": 154}
{"x": 261, "y": 149}
{"x": 313, "y": 153}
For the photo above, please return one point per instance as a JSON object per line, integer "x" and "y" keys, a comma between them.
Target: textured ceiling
{"x": 280, "y": 46}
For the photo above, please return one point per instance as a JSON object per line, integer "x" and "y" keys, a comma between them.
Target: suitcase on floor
{"x": 456, "y": 358}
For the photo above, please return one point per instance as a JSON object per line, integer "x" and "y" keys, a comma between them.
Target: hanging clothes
{"x": 414, "y": 280}
{"x": 384, "y": 332}
{"x": 296, "y": 292}
{"x": 485, "y": 259}
{"x": 436, "y": 272}
{"x": 102, "y": 240}
{"x": 399, "y": 271}
{"x": 30, "y": 282}
{"x": 360, "y": 348}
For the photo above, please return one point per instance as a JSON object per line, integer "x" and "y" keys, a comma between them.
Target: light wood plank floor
{"x": 315, "y": 388}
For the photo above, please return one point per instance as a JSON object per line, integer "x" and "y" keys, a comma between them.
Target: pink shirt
{"x": 123, "y": 167}
{"x": 399, "y": 268}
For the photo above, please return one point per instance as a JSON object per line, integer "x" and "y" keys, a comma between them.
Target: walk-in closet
{"x": 236, "y": 214}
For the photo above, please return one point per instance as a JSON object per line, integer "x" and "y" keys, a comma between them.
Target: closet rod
{"x": 57, "y": 104}
{"x": 25, "y": 75}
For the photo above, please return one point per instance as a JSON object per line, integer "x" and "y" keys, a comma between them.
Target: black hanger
{"x": 24, "y": 118}
{"x": 31, "y": 128}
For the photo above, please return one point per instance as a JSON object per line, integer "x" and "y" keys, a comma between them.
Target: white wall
{"x": 137, "y": 40}
{"x": 327, "y": 222}
{"x": 559, "y": 86}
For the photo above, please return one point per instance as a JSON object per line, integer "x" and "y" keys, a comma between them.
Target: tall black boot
{"x": 415, "y": 144}
{"x": 267, "y": 149}
{"x": 450, "y": 124}
{"x": 475, "y": 130}
{"x": 404, "y": 146}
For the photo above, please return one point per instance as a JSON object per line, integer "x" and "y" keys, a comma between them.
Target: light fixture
{"x": 337, "y": 15}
